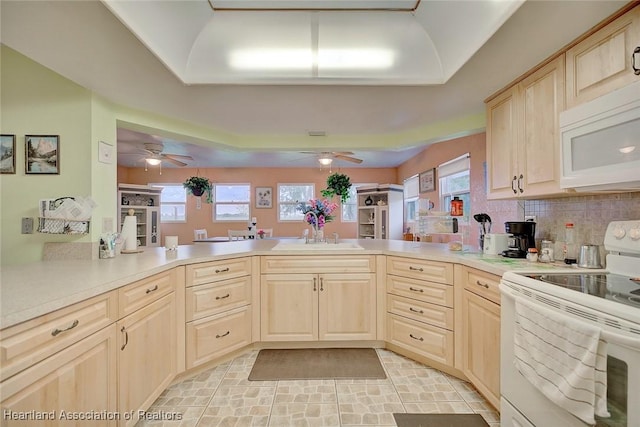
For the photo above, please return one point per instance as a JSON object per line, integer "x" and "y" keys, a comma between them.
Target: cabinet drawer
{"x": 435, "y": 293}
{"x": 432, "y": 314}
{"x": 27, "y": 343}
{"x": 481, "y": 283}
{"x": 430, "y": 341}
{"x": 318, "y": 264}
{"x": 435, "y": 271}
{"x": 213, "y": 298}
{"x": 143, "y": 292}
{"x": 207, "y": 272}
{"x": 215, "y": 336}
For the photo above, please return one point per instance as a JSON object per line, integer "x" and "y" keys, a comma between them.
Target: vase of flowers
{"x": 322, "y": 210}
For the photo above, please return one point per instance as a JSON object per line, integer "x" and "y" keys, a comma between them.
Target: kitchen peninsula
{"x": 211, "y": 301}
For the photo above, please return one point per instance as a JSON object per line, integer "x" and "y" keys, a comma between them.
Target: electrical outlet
{"x": 107, "y": 225}
{"x": 27, "y": 226}
{"x": 530, "y": 218}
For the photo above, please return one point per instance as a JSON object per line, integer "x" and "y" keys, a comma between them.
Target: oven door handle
{"x": 608, "y": 336}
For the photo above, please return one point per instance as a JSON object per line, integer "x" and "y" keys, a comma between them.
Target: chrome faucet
{"x": 314, "y": 225}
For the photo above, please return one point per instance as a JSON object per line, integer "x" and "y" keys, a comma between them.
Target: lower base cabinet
{"x": 75, "y": 383}
{"x": 146, "y": 361}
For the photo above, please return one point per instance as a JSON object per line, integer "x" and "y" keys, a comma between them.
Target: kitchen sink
{"x": 302, "y": 246}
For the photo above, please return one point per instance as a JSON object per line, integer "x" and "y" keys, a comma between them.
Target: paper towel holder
{"x": 132, "y": 233}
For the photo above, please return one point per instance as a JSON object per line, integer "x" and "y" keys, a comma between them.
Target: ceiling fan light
{"x": 153, "y": 162}
{"x": 325, "y": 161}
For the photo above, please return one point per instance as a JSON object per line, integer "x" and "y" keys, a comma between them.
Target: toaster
{"x": 495, "y": 243}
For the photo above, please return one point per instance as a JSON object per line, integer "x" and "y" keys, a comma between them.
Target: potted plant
{"x": 198, "y": 186}
{"x": 338, "y": 184}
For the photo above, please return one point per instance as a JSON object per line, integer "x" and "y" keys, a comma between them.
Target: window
{"x": 453, "y": 177}
{"x": 289, "y": 196}
{"x": 410, "y": 193}
{"x": 173, "y": 202}
{"x": 349, "y": 209}
{"x": 231, "y": 202}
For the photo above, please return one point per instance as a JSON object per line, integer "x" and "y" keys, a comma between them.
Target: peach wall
{"x": 256, "y": 177}
{"x": 475, "y": 145}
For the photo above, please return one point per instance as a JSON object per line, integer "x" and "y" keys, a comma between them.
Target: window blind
{"x": 459, "y": 164}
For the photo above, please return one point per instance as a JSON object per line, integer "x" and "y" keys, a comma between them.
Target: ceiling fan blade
{"x": 177, "y": 156}
{"x": 342, "y": 153}
{"x": 174, "y": 161}
{"x": 347, "y": 158}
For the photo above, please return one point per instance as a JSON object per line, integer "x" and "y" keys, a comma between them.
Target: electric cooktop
{"x": 616, "y": 287}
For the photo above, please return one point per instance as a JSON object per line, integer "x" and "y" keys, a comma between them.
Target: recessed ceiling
{"x": 362, "y": 42}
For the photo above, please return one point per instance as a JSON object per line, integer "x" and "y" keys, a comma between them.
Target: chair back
{"x": 240, "y": 234}
{"x": 199, "y": 234}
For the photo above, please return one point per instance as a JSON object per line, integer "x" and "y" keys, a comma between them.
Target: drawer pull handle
{"x": 126, "y": 338}
{"x": 223, "y": 297}
{"x": 223, "y": 270}
{"x": 415, "y": 268}
{"x": 415, "y": 290}
{"x": 223, "y": 335}
{"x": 57, "y": 331}
{"x": 484, "y": 285}
{"x": 155, "y": 288}
{"x": 416, "y": 311}
{"x": 416, "y": 338}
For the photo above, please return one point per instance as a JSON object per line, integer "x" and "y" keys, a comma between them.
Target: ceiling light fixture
{"x": 152, "y": 161}
{"x": 325, "y": 161}
{"x": 627, "y": 150}
{"x": 305, "y": 59}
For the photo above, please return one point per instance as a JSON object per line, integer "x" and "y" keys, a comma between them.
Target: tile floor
{"x": 222, "y": 396}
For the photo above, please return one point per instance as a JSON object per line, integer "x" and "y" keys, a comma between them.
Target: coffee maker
{"x": 523, "y": 237}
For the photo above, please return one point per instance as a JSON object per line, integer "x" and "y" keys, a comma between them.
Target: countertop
{"x": 31, "y": 290}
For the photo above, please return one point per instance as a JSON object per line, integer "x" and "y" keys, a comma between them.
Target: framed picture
{"x": 42, "y": 154}
{"x": 264, "y": 197}
{"x": 7, "y": 154}
{"x": 427, "y": 181}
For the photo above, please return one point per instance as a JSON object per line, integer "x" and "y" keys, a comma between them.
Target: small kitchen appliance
{"x": 523, "y": 238}
{"x": 484, "y": 222}
{"x": 607, "y": 301}
{"x": 496, "y": 243}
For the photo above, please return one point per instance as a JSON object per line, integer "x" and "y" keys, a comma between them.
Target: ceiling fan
{"x": 327, "y": 157}
{"x": 156, "y": 156}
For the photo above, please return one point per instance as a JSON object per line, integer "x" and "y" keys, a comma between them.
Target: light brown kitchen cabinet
{"x": 78, "y": 380}
{"x": 523, "y": 135}
{"x": 480, "y": 331}
{"x": 218, "y": 309}
{"x": 602, "y": 62}
{"x": 420, "y": 315}
{"x": 318, "y": 298}
{"x": 147, "y": 341}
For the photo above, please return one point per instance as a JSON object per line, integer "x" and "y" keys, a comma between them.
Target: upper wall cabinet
{"x": 522, "y": 135}
{"x": 603, "y": 61}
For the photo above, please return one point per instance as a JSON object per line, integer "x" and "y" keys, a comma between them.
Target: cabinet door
{"x": 502, "y": 130}
{"x": 147, "y": 364}
{"x": 481, "y": 337}
{"x": 601, "y": 63}
{"x": 80, "y": 379}
{"x": 347, "y": 307}
{"x": 539, "y": 145}
{"x": 289, "y": 307}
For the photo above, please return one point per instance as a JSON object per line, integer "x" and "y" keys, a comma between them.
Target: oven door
{"x": 623, "y": 370}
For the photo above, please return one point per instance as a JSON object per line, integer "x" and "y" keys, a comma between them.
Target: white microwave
{"x": 600, "y": 143}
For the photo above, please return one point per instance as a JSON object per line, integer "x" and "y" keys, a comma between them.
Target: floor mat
{"x": 440, "y": 420}
{"x": 317, "y": 363}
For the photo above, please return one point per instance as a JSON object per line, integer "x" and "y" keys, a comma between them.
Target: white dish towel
{"x": 562, "y": 357}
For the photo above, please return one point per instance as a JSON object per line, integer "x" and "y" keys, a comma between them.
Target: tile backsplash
{"x": 590, "y": 215}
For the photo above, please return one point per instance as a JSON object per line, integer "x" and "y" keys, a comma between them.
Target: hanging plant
{"x": 338, "y": 184}
{"x": 198, "y": 186}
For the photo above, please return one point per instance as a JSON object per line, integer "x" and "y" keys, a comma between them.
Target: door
{"x": 289, "y": 307}
{"x": 347, "y": 307}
